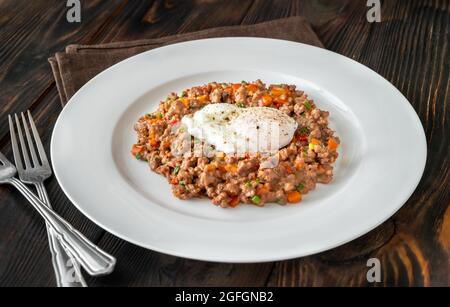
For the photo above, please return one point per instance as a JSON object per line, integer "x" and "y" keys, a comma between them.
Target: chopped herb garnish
{"x": 256, "y": 199}
{"x": 159, "y": 115}
{"x": 307, "y": 104}
{"x": 304, "y": 130}
{"x": 181, "y": 182}
{"x": 138, "y": 156}
{"x": 300, "y": 187}
{"x": 176, "y": 170}
{"x": 240, "y": 105}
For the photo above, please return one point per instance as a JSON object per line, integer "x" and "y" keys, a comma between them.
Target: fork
{"x": 95, "y": 261}
{"x": 67, "y": 270}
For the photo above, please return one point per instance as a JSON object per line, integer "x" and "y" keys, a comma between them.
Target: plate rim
{"x": 416, "y": 119}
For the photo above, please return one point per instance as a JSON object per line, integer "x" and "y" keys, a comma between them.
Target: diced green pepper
{"x": 176, "y": 170}
{"x": 307, "y": 104}
{"x": 256, "y": 199}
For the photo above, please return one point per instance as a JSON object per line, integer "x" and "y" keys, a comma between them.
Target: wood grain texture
{"x": 30, "y": 32}
{"x": 409, "y": 48}
{"x": 25, "y": 259}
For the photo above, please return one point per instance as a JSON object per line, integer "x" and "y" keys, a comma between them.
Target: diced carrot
{"x": 266, "y": 100}
{"x": 281, "y": 99}
{"x": 185, "y": 101}
{"x": 315, "y": 141}
{"x": 210, "y": 168}
{"x": 236, "y": 86}
{"x": 294, "y": 197}
{"x": 252, "y": 87}
{"x": 232, "y": 168}
{"x": 155, "y": 120}
{"x": 262, "y": 190}
{"x": 278, "y": 91}
{"x": 332, "y": 144}
{"x": 136, "y": 149}
{"x": 298, "y": 165}
{"x": 221, "y": 169}
{"x": 174, "y": 181}
{"x": 203, "y": 98}
{"x": 234, "y": 201}
{"x": 152, "y": 139}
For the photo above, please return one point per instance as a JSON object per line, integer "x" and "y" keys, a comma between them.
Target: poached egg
{"x": 241, "y": 130}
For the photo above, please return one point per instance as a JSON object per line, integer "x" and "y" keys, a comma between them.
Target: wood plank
{"x": 24, "y": 254}
{"x": 30, "y": 32}
{"x": 181, "y": 17}
{"x": 140, "y": 267}
{"x": 410, "y": 49}
{"x": 45, "y": 113}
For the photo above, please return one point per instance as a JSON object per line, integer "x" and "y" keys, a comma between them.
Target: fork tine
{"x": 26, "y": 158}
{"x": 37, "y": 140}
{"x": 30, "y": 142}
{"x": 15, "y": 147}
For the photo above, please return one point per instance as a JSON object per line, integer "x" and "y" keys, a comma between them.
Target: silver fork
{"x": 67, "y": 269}
{"x": 95, "y": 261}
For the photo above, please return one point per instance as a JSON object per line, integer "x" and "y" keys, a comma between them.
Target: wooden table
{"x": 409, "y": 48}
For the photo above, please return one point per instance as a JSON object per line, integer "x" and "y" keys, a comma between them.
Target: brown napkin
{"x": 79, "y": 63}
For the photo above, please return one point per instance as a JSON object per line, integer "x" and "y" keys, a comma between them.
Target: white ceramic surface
{"x": 382, "y": 152}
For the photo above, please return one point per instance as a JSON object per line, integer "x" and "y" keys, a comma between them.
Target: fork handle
{"x": 95, "y": 261}
{"x": 67, "y": 269}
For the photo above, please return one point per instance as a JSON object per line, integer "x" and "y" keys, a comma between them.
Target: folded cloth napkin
{"x": 79, "y": 63}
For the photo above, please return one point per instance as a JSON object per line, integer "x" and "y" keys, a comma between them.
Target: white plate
{"x": 382, "y": 155}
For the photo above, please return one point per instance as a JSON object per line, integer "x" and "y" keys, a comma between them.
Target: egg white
{"x": 240, "y": 130}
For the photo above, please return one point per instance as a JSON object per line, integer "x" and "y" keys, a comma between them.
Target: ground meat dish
{"x": 231, "y": 179}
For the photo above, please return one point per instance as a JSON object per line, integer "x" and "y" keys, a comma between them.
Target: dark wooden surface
{"x": 409, "y": 48}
